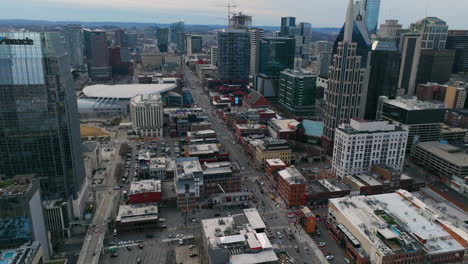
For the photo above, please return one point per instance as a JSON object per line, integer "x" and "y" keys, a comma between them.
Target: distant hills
{"x": 111, "y": 24}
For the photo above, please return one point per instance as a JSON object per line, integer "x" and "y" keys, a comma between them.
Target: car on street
{"x": 129, "y": 248}
{"x": 138, "y": 260}
{"x": 322, "y": 244}
{"x": 181, "y": 241}
{"x": 141, "y": 245}
{"x": 114, "y": 255}
{"x": 162, "y": 220}
{"x": 296, "y": 248}
{"x": 193, "y": 255}
{"x": 329, "y": 257}
{"x": 149, "y": 235}
{"x": 306, "y": 250}
{"x": 346, "y": 260}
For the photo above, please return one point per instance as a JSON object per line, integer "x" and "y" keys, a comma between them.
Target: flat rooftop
{"x": 410, "y": 218}
{"x": 145, "y": 186}
{"x": 284, "y": 125}
{"x": 412, "y": 103}
{"x": 292, "y": 176}
{"x": 136, "y": 213}
{"x": 202, "y": 149}
{"x": 219, "y": 170}
{"x": 275, "y": 162}
{"x": 254, "y": 218}
{"x": 447, "y": 152}
{"x": 125, "y": 91}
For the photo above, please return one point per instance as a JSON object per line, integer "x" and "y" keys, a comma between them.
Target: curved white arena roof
{"x": 125, "y": 91}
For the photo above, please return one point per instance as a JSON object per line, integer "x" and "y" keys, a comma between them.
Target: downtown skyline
{"x": 213, "y": 12}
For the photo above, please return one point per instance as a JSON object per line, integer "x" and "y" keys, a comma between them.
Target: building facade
{"x": 458, "y": 40}
{"x": 433, "y": 31}
{"x": 410, "y": 48}
{"x": 297, "y": 92}
{"x": 73, "y": 34}
{"x": 288, "y": 27}
{"x": 435, "y": 65}
{"x": 162, "y": 38}
{"x": 303, "y": 39}
{"x": 347, "y": 82}
{"x": 38, "y": 109}
{"x": 422, "y": 120}
{"x": 234, "y": 54}
{"x": 362, "y": 144}
{"x": 194, "y": 44}
{"x": 371, "y": 10}
{"x": 388, "y": 31}
{"x": 97, "y": 55}
{"x": 256, "y": 34}
{"x": 383, "y": 76}
{"x": 147, "y": 115}
{"x": 291, "y": 186}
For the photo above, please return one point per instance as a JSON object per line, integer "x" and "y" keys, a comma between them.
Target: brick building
{"x": 291, "y": 186}
{"x": 272, "y": 166}
{"x": 145, "y": 191}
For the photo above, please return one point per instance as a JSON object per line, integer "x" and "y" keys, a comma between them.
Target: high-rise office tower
{"x": 435, "y": 65}
{"x": 433, "y": 31}
{"x": 321, "y": 46}
{"x": 194, "y": 44}
{"x": 274, "y": 56}
{"x": 303, "y": 39}
{"x": 119, "y": 36}
{"x": 410, "y": 48}
{"x": 383, "y": 75}
{"x": 97, "y": 55}
{"x": 256, "y": 34}
{"x": 162, "y": 37}
{"x": 347, "y": 83}
{"x": 234, "y": 54}
{"x": 73, "y": 34}
{"x": 297, "y": 89}
{"x": 458, "y": 41}
{"x": 214, "y": 55}
{"x": 288, "y": 27}
{"x": 175, "y": 28}
{"x": 370, "y": 11}
{"x": 40, "y": 131}
{"x": 388, "y": 31}
{"x": 324, "y": 60}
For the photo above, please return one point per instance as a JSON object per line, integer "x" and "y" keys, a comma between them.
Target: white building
{"x": 389, "y": 29}
{"x": 362, "y": 144}
{"x": 147, "y": 115}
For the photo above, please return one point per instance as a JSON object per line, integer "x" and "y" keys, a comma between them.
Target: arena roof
{"x": 125, "y": 91}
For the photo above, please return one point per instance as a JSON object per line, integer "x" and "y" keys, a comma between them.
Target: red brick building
{"x": 145, "y": 191}
{"x": 255, "y": 100}
{"x": 272, "y": 166}
{"x": 431, "y": 91}
{"x": 308, "y": 220}
{"x": 243, "y": 130}
{"x": 291, "y": 186}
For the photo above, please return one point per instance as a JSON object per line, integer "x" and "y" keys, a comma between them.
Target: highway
{"x": 273, "y": 215}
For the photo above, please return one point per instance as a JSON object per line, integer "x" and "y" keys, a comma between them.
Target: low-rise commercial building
{"x": 272, "y": 166}
{"x": 220, "y": 179}
{"x": 319, "y": 191}
{"x": 291, "y": 186}
{"x": 145, "y": 191}
{"x": 308, "y": 220}
{"x": 238, "y": 239}
{"x": 201, "y": 134}
{"x": 147, "y": 115}
{"x": 362, "y": 144}
{"x": 283, "y": 128}
{"x": 188, "y": 183}
{"x": 244, "y": 130}
{"x": 394, "y": 227}
{"x": 137, "y": 217}
{"x": 263, "y": 149}
{"x": 157, "y": 168}
{"x": 207, "y": 153}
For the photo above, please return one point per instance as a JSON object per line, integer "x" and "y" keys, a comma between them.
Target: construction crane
{"x": 229, "y": 6}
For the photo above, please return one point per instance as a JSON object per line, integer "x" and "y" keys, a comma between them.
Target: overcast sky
{"x": 321, "y": 13}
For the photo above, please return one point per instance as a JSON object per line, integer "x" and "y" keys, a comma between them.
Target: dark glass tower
{"x": 275, "y": 55}
{"x": 162, "y": 36}
{"x": 234, "y": 54}
{"x": 39, "y": 132}
{"x": 383, "y": 77}
{"x": 288, "y": 27}
{"x": 458, "y": 40}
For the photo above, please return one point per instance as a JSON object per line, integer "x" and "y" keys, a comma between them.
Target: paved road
{"x": 273, "y": 215}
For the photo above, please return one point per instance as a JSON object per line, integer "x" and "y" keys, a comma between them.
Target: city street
{"x": 274, "y": 216}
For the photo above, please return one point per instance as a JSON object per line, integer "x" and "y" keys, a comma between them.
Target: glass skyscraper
{"x": 39, "y": 131}
{"x": 275, "y": 55}
{"x": 371, "y": 19}
{"x": 234, "y": 54}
